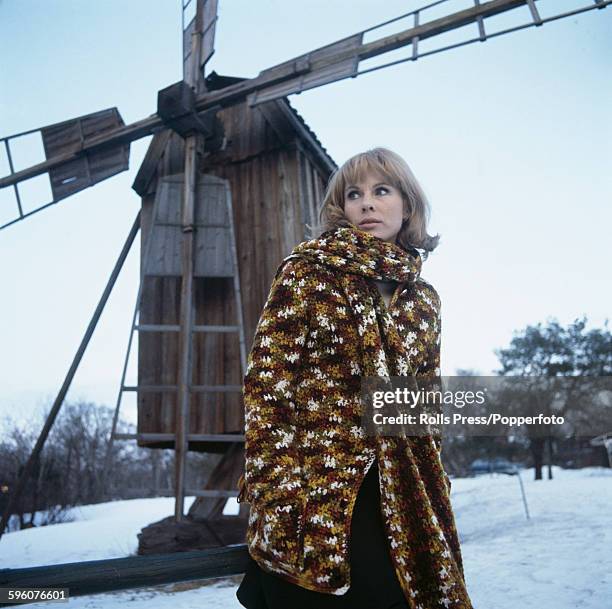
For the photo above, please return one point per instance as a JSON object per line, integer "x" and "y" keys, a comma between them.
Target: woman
{"x": 339, "y": 518}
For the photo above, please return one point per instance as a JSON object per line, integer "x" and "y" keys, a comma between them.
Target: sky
{"x": 511, "y": 140}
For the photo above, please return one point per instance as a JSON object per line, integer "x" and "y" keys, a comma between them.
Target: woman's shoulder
{"x": 303, "y": 283}
{"x": 300, "y": 267}
{"x": 428, "y": 293}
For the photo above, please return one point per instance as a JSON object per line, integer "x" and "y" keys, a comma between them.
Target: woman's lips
{"x": 368, "y": 224}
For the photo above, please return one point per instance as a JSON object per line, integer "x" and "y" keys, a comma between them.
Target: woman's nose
{"x": 367, "y": 202}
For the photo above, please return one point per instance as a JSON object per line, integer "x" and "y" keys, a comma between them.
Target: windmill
{"x": 193, "y": 123}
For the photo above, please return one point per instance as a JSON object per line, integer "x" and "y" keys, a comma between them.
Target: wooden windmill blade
{"x": 76, "y": 172}
{"x": 341, "y": 59}
{"x": 80, "y": 152}
{"x": 189, "y": 13}
{"x": 321, "y": 66}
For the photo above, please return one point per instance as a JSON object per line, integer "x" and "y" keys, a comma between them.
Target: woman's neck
{"x": 386, "y": 289}
{"x": 387, "y": 285}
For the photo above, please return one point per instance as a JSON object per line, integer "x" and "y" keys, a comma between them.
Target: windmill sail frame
{"x": 331, "y": 63}
{"x": 78, "y": 172}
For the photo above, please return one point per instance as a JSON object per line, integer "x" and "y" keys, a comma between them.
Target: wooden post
{"x": 185, "y": 371}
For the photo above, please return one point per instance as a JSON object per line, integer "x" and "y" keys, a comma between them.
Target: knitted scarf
{"x": 356, "y": 257}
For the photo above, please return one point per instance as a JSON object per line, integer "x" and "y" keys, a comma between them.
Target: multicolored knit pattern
{"x": 325, "y": 326}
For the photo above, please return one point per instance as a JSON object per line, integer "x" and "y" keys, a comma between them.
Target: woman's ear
{"x": 406, "y": 214}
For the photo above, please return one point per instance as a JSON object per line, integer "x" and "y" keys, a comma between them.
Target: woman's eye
{"x": 378, "y": 190}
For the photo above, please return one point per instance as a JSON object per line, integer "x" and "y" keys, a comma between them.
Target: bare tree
{"x": 68, "y": 471}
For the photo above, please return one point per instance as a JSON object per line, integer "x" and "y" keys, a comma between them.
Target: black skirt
{"x": 374, "y": 584}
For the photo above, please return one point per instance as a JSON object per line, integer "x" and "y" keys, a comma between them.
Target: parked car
{"x": 499, "y": 465}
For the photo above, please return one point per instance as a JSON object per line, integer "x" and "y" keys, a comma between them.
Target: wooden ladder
{"x": 216, "y": 257}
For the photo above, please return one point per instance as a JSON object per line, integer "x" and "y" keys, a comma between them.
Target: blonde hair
{"x": 396, "y": 171}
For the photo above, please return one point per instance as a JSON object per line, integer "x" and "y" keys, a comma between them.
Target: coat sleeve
{"x": 272, "y": 470}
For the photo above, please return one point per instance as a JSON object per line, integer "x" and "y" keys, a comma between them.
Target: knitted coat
{"x": 305, "y": 452}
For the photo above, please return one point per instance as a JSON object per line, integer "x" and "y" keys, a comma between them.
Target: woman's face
{"x": 374, "y": 198}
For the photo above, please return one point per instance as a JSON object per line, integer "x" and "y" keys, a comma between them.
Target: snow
{"x": 558, "y": 559}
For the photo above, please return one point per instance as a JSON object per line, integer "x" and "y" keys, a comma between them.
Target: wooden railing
{"x": 96, "y": 576}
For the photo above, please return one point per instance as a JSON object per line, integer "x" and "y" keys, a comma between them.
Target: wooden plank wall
{"x": 158, "y": 353}
{"x": 275, "y": 190}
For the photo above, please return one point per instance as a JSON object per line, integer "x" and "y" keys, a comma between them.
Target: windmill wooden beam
{"x": 193, "y": 82}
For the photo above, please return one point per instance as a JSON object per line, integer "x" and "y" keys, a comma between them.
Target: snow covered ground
{"x": 558, "y": 559}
